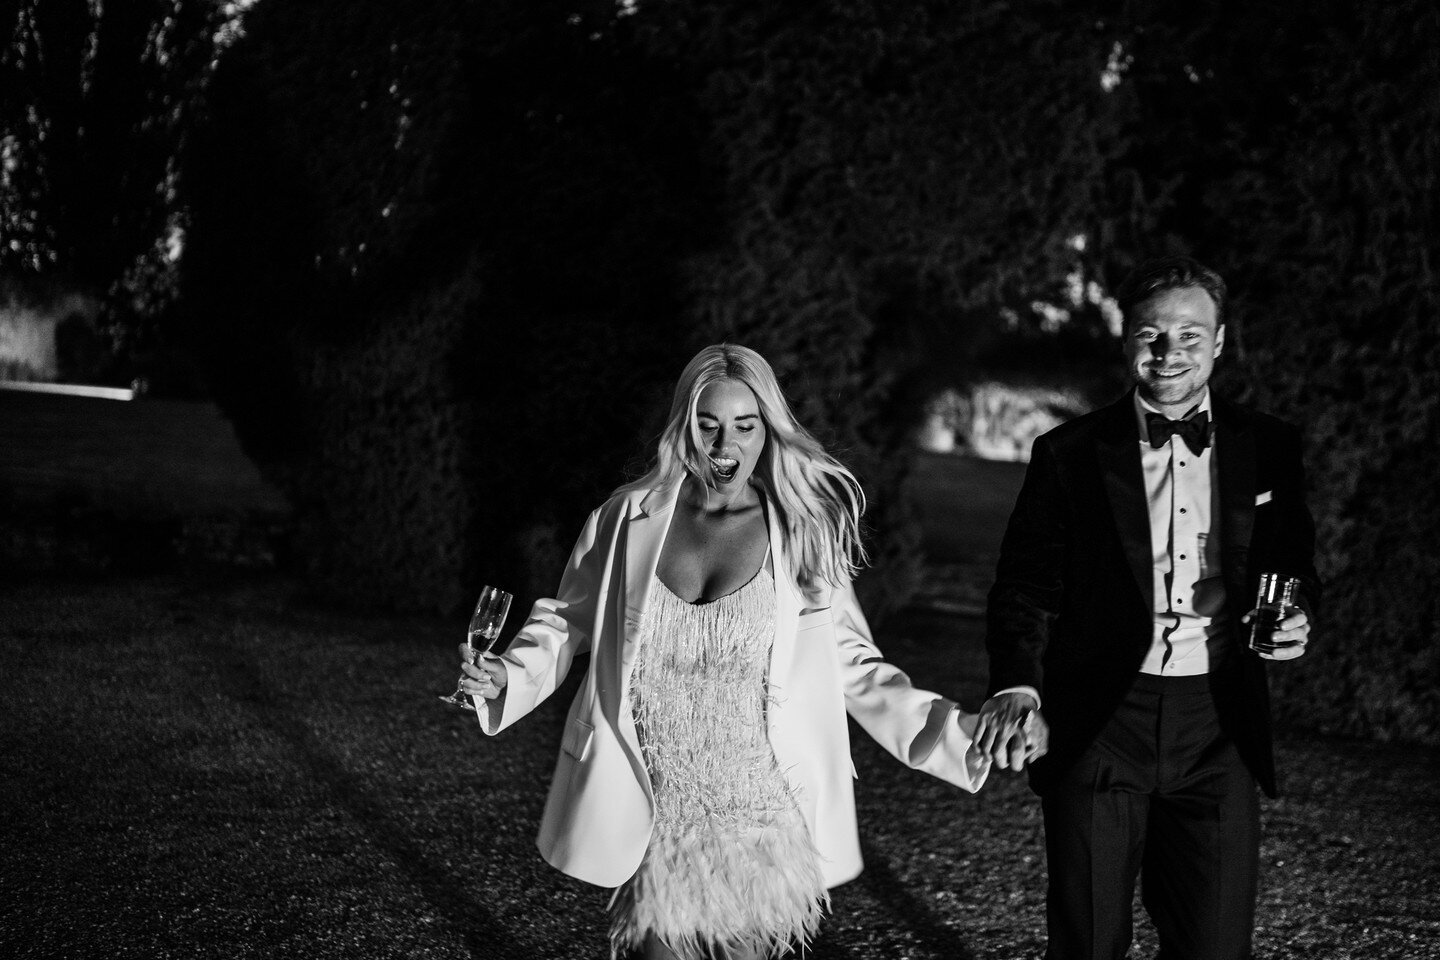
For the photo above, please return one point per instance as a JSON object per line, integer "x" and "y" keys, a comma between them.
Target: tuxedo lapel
{"x": 1118, "y": 448}
{"x": 1235, "y": 455}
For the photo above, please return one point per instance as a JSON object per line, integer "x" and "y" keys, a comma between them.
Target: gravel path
{"x": 199, "y": 768}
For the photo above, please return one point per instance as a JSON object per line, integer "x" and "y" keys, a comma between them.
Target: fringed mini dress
{"x": 730, "y": 864}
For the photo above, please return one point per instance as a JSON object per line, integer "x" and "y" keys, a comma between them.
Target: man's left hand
{"x": 1290, "y": 638}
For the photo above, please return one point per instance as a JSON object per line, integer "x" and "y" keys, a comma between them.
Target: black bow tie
{"x": 1194, "y": 430}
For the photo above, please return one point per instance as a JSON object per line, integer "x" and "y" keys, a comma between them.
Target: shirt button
{"x": 1182, "y": 463}
{"x": 1182, "y": 556}
{"x": 1182, "y": 509}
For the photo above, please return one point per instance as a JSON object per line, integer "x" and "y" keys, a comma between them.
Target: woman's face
{"x": 732, "y": 434}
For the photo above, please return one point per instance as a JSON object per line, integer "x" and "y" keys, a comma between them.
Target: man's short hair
{"x": 1169, "y": 273}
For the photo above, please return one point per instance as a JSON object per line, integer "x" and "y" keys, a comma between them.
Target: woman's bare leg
{"x": 655, "y": 950}
{"x": 735, "y": 955}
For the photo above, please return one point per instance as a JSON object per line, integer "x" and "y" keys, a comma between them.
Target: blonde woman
{"x": 705, "y": 765}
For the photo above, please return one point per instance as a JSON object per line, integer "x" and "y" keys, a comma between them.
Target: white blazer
{"x": 600, "y": 810}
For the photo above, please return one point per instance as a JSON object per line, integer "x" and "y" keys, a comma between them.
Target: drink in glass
{"x": 484, "y": 630}
{"x": 1274, "y": 602}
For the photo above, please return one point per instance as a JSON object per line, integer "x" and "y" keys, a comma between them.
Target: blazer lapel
{"x": 1235, "y": 455}
{"x": 648, "y": 523}
{"x": 1117, "y": 446}
{"x": 787, "y": 607}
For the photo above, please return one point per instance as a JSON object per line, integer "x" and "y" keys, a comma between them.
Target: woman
{"x": 705, "y": 767}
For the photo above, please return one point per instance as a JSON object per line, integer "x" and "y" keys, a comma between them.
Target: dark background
{"x": 407, "y": 286}
{"x": 438, "y": 263}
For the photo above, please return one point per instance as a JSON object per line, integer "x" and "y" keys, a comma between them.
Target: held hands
{"x": 487, "y": 679}
{"x": 1011, "y": 731}
{"x": 1290, "y": 636}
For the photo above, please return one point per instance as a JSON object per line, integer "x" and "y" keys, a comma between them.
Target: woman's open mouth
{"x": 725, "y": 468}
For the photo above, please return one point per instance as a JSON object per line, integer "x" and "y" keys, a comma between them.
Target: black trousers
{"x": 1162, "y": 793}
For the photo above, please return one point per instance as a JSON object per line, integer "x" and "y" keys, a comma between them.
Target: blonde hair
{"x": 817, "y": 501}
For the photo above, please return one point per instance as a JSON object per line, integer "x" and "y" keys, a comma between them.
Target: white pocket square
{"x": 1263, "y": 498}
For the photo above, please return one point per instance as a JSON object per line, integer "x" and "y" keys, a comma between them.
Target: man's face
{"x": 1171, "y": 342}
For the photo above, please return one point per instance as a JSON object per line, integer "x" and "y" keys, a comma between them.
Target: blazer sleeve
{"x": 922, "y": 730}
{"x": 1029, "y": 578}
{"x": 556, "y": 632}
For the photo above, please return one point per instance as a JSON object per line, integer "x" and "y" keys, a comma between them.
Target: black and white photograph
{"x": 719, "y": 480}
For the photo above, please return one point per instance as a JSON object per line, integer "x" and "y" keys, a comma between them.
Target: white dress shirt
{"x": 1189, "y": 593}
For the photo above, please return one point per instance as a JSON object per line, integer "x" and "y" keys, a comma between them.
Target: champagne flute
{"x": 485, "y": 624}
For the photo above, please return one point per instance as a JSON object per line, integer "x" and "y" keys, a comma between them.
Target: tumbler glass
{"x": 1274, "y": 602}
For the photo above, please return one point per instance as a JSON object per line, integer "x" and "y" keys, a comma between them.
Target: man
{"x": 1118, "y": 636}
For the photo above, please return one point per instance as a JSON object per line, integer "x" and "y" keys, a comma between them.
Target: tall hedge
{"x": 447, "y": 260}
{"x": 432, "y": 268}
{"x": 889, "y": 178}
{"x": 1346, "y": 340}
{"x": 1292, "y": 150}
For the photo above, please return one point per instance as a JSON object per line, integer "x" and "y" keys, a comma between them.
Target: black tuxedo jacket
{"x": 1070, "y": 612}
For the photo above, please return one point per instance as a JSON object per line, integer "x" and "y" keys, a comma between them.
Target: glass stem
{"x": 460, "y": 684}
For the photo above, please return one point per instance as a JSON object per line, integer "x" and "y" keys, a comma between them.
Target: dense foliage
{"x": 592, "y": 196}
{"x": 444, "y": 259}
{"x": 1290, "y": 150}
{"x": 96, "y": 104}
{"x": 1353, "y": 349}
{"x": 431, "y": 266}
{"x": 889, "y": 183}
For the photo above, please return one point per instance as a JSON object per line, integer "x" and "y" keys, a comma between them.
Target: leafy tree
{"x": 432, "y": 267}
{"x": 95, "y": 104}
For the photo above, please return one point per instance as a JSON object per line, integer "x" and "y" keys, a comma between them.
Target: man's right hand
{"x": 1011, "y": 731}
